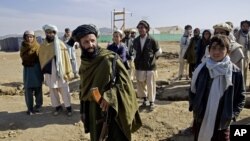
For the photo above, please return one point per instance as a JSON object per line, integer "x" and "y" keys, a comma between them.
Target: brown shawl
{"x": 29, "y": 53}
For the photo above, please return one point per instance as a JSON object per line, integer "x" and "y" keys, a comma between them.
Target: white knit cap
{"x": 118, "y": 31}
{"x": 50, "y": 27}
{"x": 29, "y": 32}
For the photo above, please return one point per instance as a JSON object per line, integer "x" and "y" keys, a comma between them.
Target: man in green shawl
{"x": 118, "y": 98}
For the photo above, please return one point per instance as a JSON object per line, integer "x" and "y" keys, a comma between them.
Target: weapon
{"x": 96, "y": 96}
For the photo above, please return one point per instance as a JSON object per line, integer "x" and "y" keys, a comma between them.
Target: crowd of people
{"x": 218, "y": 65}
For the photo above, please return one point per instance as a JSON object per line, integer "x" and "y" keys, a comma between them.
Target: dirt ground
{"x": 166, "y": 122}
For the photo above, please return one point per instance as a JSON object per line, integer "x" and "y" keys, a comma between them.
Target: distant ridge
{"x": 108, "y": 31}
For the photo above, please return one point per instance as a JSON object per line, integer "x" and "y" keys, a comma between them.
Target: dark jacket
{"x": 191, "y": 50}
{"x": 145, "y": 59}
{"x": 231, "y": 103}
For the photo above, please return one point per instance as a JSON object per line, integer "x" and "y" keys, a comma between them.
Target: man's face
{"x": 50, "y": 35}
{"x": 68, "y": 33}
{"x": 132, "y": 34}
{"x": 220, "y": 31}
{"x": 89, "y": 43}
{"x": 196, "y": 33}
{"x": 127, "y": 33}
{"x": 245, "y": 27}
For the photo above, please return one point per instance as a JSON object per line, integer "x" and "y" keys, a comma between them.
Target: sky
{"x": 16, "y": 16}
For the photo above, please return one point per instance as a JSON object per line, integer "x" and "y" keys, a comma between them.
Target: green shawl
{"x": 122, "y": 98}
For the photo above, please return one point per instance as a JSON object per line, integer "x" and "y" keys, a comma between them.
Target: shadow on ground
{"x": 20, "y": 120}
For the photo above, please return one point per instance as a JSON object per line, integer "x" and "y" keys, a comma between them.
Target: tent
{"x": 10, "y": 44}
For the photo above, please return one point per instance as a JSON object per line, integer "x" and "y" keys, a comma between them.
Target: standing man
{"x": 147, "y": 51}
{"x": 100, "y": 68}
{"x": 56, "y": 67}
{"x": 132, "y": 53}
{"x": 184, "y": 43}
{"x": 235, "y": 51}
{"x": 72, "y": 52}
{"x": 243, "y": 38}
{"x": 125, "y": 40}
{"x": 191, "y": 51}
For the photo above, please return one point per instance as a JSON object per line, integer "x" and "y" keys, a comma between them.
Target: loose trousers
{"x": 146, "y": 86}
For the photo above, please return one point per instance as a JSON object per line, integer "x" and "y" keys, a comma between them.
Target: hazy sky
{"x": 16, "y": 16}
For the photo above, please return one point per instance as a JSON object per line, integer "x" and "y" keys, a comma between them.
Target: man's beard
{"x": 245, "y": 31}
{"x": 50, "y": 39}
{"x": 87, "y": 54}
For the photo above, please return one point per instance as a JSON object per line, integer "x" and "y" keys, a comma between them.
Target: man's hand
{"x": 104, "y": 105}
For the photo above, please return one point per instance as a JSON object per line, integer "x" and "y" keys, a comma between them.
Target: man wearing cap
{"x": 57, "y": 69}
{"x": 131, "y": 52}
{"x": 104, "y": 70}
{"x": 236, "y": 53}
{"x": 243, "y": 38}
{"x": 184, "y": 43}
{"x": 147, "y": 51}
{"x": 32, "y": 74}
{"x": 126, "y": 38}
{"x": 72, "y": 52}
{"x": 191, "y": 51}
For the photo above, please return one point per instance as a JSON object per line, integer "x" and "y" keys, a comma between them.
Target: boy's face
{"x": 29, "y": 38}
{"x": 117, "y": 38}
{"x": 217, "y": 52}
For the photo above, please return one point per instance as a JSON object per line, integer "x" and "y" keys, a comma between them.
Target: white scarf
{"x": 58, "y": 53}
{"x": 221, "y": 72}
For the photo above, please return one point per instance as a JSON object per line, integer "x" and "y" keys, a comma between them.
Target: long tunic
{"x": 32, "y": 76}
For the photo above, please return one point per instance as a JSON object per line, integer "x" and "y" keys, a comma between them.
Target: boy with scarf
{"x": 217, "y": 93}
{"x": 118, "y": 95}
{"x": 32, "y": 74}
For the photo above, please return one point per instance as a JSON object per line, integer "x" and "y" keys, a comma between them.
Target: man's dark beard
{"x": 50, "y": 39}
{"x": 89, "y": 55}
{"x": 245, "y": 31}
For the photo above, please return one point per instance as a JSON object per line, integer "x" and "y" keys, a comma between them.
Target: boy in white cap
{"x": 32, "y": 74}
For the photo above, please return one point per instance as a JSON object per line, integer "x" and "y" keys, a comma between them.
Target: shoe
{"x": 30, "y": 113}
{"x": 144, "y": 104}
{"x": 57, "y": 110}
{"x": 180, "y": 77}
{"x": 37, "y": 108}
{"x": 151, "y": 106}
{"x": 69, "y": 111}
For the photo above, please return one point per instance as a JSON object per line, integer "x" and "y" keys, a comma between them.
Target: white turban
{"x": 50, "y": 27}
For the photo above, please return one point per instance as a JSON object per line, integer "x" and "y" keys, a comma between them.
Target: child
{"x": 217, "y": 93}
{"x": 118, "y": 47}
{"x": 32, "y": 74}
